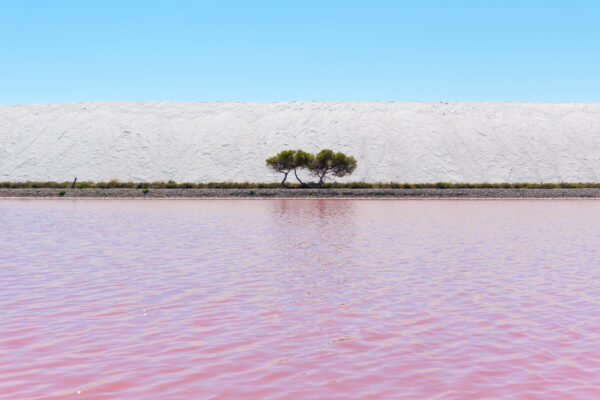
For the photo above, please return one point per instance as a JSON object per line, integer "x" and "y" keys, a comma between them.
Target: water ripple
{"x": 300, "y": 299}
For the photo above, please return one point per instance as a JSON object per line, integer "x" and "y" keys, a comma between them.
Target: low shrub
{"x": 84, "y": 185}
{"x": 113, "y": 183}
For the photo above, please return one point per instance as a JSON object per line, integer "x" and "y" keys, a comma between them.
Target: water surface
{"x": 299, "y": 299}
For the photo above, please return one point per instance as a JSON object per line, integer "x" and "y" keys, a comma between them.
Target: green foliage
{"x": 113, "y": 183}
{"x": 145, "y": 191}
{"x": 61, "y": 193}
{"x": 325, "y": 162}
{"x": 328, "y": 162}
{"x": 283, "y": 163}
{"x": 273, "y": 185}
{"x": 290, "y": 160}
{"x": 84, "y": 185}
{"x": 302, "y": 159}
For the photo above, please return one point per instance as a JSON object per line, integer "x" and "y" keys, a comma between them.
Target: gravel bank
{"x": 302, "y": 193}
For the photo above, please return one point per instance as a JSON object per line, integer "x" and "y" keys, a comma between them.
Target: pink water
{"x": 299, "y": 299}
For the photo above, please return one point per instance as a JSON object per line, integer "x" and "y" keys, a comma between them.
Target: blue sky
{"x": 257, "y": 50}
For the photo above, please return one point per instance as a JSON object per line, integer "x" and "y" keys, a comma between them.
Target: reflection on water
{"x": 300, "y": 299}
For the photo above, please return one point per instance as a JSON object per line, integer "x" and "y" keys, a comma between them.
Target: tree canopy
{"x": 283, "y": 163}
{"x": 325, "y": 162}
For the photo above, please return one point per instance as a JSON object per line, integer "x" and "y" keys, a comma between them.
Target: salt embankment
{"x": 219, "y": 141}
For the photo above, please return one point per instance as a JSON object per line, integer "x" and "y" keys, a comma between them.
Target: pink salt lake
{"x": 299, "y": 299}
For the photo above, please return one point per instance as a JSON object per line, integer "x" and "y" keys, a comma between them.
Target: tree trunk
{"x": 302, "y": 184}
{"x": 285, "y": 174}
{"x": 321, "y": 179}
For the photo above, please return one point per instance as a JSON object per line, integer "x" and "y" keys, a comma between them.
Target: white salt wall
{"x": 392, "y": 141}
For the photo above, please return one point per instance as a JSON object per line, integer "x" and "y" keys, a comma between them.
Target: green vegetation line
{"x": 116, "y": 184}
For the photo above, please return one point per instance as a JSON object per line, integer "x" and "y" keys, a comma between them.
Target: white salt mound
{"x": 220, "y": 141}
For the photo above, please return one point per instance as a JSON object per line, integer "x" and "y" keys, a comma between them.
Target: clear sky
{"x": 259, "y": 50}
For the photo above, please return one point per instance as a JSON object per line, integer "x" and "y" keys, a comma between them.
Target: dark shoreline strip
{"x": 492, "y": 193}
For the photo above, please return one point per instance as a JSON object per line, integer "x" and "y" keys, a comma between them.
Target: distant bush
{"x": 85, "y": 185}
{"x": 113, "y": 183}
{"x": 61, "y": 193}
